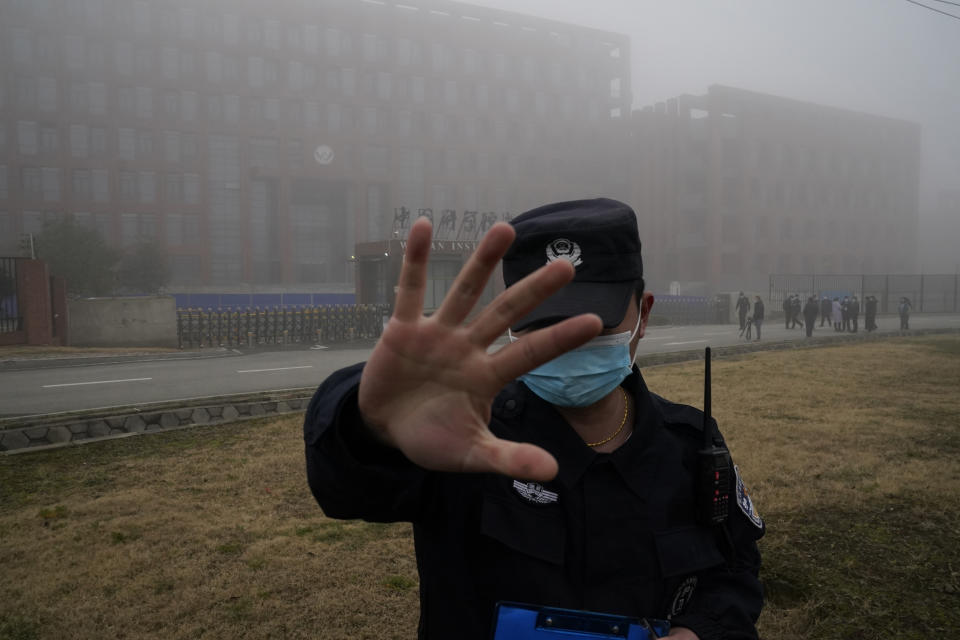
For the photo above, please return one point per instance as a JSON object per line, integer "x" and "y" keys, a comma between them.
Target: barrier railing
{"x": 328, "y": 324}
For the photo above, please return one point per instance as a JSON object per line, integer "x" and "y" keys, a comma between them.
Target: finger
{"x": 413, "y": 273}
{"x": 543, "y": 345}
{"x": 519, "y": 460}
{"x": 519, "y": 300}
{"x": 472, "y": 279}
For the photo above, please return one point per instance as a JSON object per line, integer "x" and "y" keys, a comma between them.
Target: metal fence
{"x": 927, "y": 292}
{"x": 325, "y": 324}
{"x": 10, "y": 318}
{"x": 689, "y": 309}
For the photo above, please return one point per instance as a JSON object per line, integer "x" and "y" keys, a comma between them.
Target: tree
{"x": 143, "y": 269}
{"x": 79, "y": 254}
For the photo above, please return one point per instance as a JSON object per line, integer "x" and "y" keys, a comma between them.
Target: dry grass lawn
{"x": 852, "y": 454}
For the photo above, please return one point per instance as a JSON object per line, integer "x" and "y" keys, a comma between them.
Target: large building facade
{"x": 733, "y": 185}
{"x": 261, "y": 142}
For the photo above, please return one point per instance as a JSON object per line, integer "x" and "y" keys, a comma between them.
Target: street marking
{"x": 716, "y": 333}
{"x": 660, "y": 338}
{"x": 309, "y": 366}
{"x": 670, "y": 344}
{"x": 77, "y": 384}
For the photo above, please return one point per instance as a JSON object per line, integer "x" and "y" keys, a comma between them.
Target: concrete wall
{"x": 123, "y": 322}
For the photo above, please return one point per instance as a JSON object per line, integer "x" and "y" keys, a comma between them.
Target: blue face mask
{"x": 583, "y": 376}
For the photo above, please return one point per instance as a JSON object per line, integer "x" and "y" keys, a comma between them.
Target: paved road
{"x": 55, "y": 389}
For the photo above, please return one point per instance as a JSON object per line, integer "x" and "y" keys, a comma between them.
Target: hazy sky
{"x": 887, "y": 57}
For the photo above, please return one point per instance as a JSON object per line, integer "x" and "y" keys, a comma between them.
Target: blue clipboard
{"x": 517, "y": 621}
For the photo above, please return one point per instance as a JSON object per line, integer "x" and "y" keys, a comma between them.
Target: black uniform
{"x": 743, "y": 308}
{"x": 810, "y": 310}
{"x": 613, "y": 532}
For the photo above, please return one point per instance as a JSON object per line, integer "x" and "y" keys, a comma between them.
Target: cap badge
{"x": 563, "y": 249}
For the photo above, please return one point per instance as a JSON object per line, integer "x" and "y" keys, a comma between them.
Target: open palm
{"x": 429, "y": 384}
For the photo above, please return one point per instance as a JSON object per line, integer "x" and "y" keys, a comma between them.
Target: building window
{"x": 418, "y": 89}
{"x": 191, "y": 188}
{"x": 49, "y": 140}
{"x": 348, "y": 82}
{"x": 126, "y": 100}
{"x": 450, "y": 93}
{"x": 332, "y": 38}
{"x": 214, "y": 69}
{"x": 30, "y": 182}
{"x": 79, "y": 97}
{"x": 81, "y": 184}
{"x": 144, "y": 102}
{"x": 123, "y": 58}
{"x": 188, "y": 105}
{"x": 128, "y": 186}
{"x": 4, "y": 192}
{"x": 27, "y": 137}
{"x": 47, "y": 94}
{"x": 100, "y": 185}
{"x": 50, "y": 178}
{"x": 271, "y": 109}
{"x": 334, "y": 122}
{"x": 255, "y": 72}
{"x": 97, "y": 96}
{"x": 264, "y": 153}
{"x": 145, "y": 144}
{"x": 173, "y": 188}
{"x": 311, "y": 115}
{"x": 384, "y": 85}
{"x": 370, "y": 120}
{"x": 147, "y": 187}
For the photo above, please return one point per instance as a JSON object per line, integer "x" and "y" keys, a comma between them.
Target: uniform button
{"x": 510, "y": 404}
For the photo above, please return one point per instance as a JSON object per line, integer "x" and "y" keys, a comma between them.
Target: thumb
{"x": 519, "y": 460}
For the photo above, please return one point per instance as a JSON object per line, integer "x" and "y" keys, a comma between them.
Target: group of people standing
{"x": 843, "y": 314}
{"x": 748, "y": 323}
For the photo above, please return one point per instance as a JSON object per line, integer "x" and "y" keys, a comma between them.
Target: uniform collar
{"x": 529, "y": 418}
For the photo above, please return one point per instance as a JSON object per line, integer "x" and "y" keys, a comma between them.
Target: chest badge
{"x": 745, "y": 502}
{"x": 534, "y": 493}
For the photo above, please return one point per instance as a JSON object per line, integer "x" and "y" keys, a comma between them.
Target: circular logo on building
{"x": 323, "y": 154}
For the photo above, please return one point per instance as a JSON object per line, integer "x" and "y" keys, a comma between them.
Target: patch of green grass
{"x": 51, "y": 513}
{"x": 162, "y": 586}
{"x": 15, "y": 627}
{"x": 230, "y": 548}
{"x": 122, "y": 537}
{"x": 399, "y": 583}
{"x": 239, "y": 609}
{"x": 857, "y": 563}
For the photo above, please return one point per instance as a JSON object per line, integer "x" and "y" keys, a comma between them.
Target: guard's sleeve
{"x": 350, "y": 473}
{"x": 727, "y": 599}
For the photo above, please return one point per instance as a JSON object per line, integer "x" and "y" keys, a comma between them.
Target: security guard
{"x": 544, "y": 472}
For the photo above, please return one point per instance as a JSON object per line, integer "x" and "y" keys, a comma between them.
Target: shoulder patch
{"x": 745, "y": 502}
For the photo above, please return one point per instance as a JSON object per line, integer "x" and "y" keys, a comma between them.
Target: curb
{"x": 56, "y": 430}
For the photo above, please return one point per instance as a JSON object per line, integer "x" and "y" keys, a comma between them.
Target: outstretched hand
{"x": 429, "y": 384}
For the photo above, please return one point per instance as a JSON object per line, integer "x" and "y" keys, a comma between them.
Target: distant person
{"x": 758, "y": 315}
{"x": 810, "y": 311}
{"x": 787, "y": 311}
{"x": 826, "y": 310}
{"x": 796, "y": 308}
{"x": 743, "y": 308}
{"x": 837, "y": 313}
{"x": 854, "y": 314}
{"x": 904, "y": 310}
{"x": 870, "y": 313}
{"x": 845, "y": 313}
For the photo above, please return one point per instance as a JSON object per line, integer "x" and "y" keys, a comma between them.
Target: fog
{"x": 884, "y": 57}
{"x": 237, "y": 138}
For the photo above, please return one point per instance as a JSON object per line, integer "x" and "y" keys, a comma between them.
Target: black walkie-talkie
{"x": 713, "y": 490}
